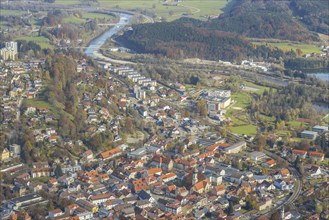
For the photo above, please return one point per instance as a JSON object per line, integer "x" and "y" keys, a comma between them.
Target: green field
{"x": 170, "y": 10}
{"x": 297, "y": 124}
{"x": 287, "y": 46}
{"x": 76, "y": 20}
{"x": 42, "y": 41}
{"x": 97, "y": 15}
{"x": 73, "y": 20}
{"x": 242, "y": 99}
{"x": 11, "y": 12}
{"x": 245, "y": 129}
{"x": 39, "y": 104}
{"x": 260, "y": 88}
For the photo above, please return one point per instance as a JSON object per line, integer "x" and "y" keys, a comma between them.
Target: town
{"x": 181, "y": 165}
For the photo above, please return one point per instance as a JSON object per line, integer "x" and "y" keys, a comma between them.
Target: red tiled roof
{"x": 109, "y": 153}
{"x": 316, "y": 154}
{"x": 302, "y": 152}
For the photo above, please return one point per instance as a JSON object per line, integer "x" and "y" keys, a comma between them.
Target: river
{"x": 96, "y": 44}
{"x": 321, "y": 76}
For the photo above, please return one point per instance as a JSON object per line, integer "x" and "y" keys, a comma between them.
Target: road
{"x": 20, "y": 102}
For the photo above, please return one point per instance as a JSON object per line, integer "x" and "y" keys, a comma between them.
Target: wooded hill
{"x": 288, "y": 20}
{"x": 224, "y": 38}
{"x": 181, "y": 39}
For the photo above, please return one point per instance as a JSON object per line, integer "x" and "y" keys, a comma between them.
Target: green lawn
{"x": 11, "y": 12}
{"x": 73, "y": 20}
{"x": 97, "y": 15}
{"x": 267, "y": 118}
{"x": 296, "y": 124}
{"x": 325, "y": 162}
{"x": 245, "y": 129}
{"x": 242, "y": 99}
{"x": 37, "y": 103}
{"x": 260, "y": 88}
{"x": 40, "y": 104}
{"x": 42, "y": 41}
{"x": 287, "y": 46}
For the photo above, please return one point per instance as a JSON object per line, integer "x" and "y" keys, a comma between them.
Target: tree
{"x": 276, "y": 215}
{"x": 223, "y": 132}
{"x": 299, "y": 165}
{"x": 299, "y": 52}
{"x": 260, "y": 142}
{"x": 58, "y": 171}
{"x": 198, "y": 86}
{"x": 304, "y": 145}
{"x": 318, "y": 208}
{"x": 129, "y": 126}
{"x": 251, "y": 202}
{"x": 230, "y": 208}
{"x": 201, "y": 107}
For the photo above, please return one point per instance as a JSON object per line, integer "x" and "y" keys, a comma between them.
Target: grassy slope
{"x": 42, "y": 41}
{"x": 195, "y": 8}
{"x": 287, "y": 46}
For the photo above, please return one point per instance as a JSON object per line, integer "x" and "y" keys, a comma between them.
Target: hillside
{"x": 288, "y": 20}
{"x": 182, "y": 39}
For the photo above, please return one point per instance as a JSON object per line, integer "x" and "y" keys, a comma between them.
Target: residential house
{"x": 269, "y": 163}
{"x": 235, "y": 148}
{"x": 282, "y": 185}
{"x": 15, "y": 150}
{"x": 162, "y": 162}
{"x": 153, "y": 171}
{"x": 87, "y": 205}
{"x": 300, "y": 153}
{"x": 202, "y": 187}
{"x": 256, "y": 155}
{"x": 284, "y": 173}
{"x": 168, "y": 177}
{"x": 111, "y": 153}
{"x": 175, "y": 208}
{"x": 318, "y": 156}
{"x": 143, "y": 195}
{"x": 315, "y": 170}
{"x": 4, "y": 154}
{"x": 219, "y": 190}
{"x": 55, "y": 213}
{"x": 40, "y": 172}
{"x": 101, "y": 198}
{"x": 264, "y": 203}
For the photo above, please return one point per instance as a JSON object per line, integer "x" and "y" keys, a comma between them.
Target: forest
{"x": 289, "y": 20}
{"x": 182, "y": 39}
{"x": 307, "y": 64}
{"x": 292, "y": 102}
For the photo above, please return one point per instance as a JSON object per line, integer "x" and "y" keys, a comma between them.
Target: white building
{"x": 9, "y": 51}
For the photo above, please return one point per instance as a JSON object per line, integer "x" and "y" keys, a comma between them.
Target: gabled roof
{"x": 143, "y": 195}
{"x": 271, "y": 162}
{"x": 201, "y": 185}
{"x": 153, "y": 171}
{"x": 161, "y": 159}
{"x": 316, "y": 154}
{"x": 285, "y": 172}
{"x": 109, "y": 153}
{"x": 300, "y": 152}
